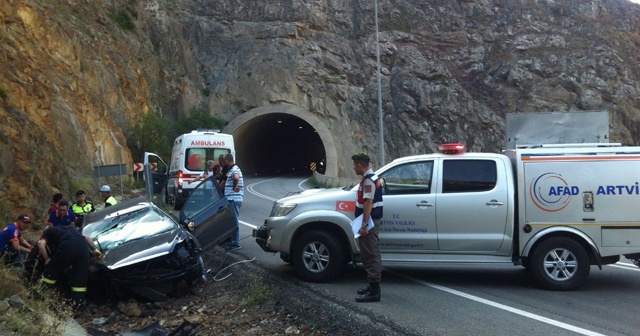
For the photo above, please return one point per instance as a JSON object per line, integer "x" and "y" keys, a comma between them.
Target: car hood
{"x": 320, "y": 195}
{"x": 136, "y": 251}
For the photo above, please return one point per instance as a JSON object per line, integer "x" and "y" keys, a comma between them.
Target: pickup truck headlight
{"x": 282, "y": 209}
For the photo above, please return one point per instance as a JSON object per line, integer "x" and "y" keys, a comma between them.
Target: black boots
{"x": 363, "y": 290}
{"x": 370, "y": 293}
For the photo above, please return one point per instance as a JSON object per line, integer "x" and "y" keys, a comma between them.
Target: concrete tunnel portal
{"x": 282, "y": 140}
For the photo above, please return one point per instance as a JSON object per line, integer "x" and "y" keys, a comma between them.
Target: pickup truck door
{"x": 472, "y": 205}
{"x": 409, "y": 219}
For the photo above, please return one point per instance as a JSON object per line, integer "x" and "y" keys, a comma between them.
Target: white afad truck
{"x": 555, "y": 209}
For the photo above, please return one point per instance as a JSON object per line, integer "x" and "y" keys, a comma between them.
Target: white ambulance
{"x": 189, "y": 155}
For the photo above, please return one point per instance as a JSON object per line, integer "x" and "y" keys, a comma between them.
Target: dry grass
{"x": 43, "y": 313}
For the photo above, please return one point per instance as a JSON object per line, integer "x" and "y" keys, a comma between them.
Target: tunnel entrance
{"x": 278, "y": 140}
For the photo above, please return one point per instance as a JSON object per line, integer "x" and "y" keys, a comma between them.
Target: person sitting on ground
{"x": 105, "y": 193}
{"x": 63, "y": 216}
{"x": 12, "y": 244}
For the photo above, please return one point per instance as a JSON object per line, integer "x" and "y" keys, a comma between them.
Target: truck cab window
{"x": 410, "y": 178}
{"x": 468, "y": 176}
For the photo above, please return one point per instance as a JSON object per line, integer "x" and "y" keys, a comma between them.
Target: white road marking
{"x": 248, "y": 224}
{"x": 300, "y": 184}
{"x": 630, "y": 267}
{"x": 251, "y": 190}
{"x": 513, "y": 310}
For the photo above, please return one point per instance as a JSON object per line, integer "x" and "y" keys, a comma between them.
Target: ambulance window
{"x": 196, "y": 158}
{"x": 468, "y": 175}
{"x": 409, "y": 178}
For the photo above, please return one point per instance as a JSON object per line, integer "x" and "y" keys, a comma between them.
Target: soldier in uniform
{"x": 369, "y": 205}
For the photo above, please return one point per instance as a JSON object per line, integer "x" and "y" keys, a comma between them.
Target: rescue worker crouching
{"x": 62, "y": 247}
{"x": 109, "y": 200}
{"x": 12, "y": 245}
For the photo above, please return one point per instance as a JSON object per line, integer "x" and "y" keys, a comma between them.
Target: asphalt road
{"x": 463, "y": 300}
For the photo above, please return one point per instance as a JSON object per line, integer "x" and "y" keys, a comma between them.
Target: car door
{"x": 208, "y": 214}
{"x": 409, "y": 219}
{"x": 159, "y": 171}
{"x": 472, "y": 205}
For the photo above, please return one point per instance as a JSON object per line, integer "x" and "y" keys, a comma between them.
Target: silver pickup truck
{"x": 549, "y": 209}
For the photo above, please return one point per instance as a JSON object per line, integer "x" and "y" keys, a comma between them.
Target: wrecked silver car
{"x": 147, "y": 253}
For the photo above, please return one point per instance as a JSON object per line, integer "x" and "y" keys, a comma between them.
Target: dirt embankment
{"x": 248, "y": 301}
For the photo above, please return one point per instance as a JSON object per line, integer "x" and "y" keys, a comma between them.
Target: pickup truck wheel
{"x": 317, "y": 256}
{"x": 560, "y": 264}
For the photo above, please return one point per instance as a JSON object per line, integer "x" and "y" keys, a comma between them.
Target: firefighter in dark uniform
{"x": 369, "y": 205}
{"x": 62, "y": 247}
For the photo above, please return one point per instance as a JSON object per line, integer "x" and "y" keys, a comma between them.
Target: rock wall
{"x": 72, "y": 80}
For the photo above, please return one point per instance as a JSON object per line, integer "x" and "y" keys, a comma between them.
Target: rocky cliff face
{"x": 72, "y": 80}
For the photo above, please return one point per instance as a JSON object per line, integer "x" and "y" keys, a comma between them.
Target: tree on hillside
{"x": 151, "y": 133}
{"x": 197, "y": 118}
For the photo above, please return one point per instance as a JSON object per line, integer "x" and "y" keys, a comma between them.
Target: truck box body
{"x": 592, "y": 189}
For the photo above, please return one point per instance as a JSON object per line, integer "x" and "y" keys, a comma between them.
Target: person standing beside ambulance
{"x": 234, "y": 191}
{"x": 222, "y": 178}
{"x": 207, "y": 172}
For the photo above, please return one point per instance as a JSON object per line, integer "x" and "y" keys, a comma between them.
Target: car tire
{"x": 318, "y": 256}
{"x": 177, "y": 205}
{"x": 167, "y": 200}
{"x": 560, "y": 263}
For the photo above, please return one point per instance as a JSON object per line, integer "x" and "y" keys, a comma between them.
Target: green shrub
{"x": 259, "y": 293}
{"x": 3, "y": 92}
{"x": 150, "y": 133}
{"x": 196, "y": 118}
{"x": 122, "y": 19}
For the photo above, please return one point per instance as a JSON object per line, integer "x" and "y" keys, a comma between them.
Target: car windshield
{"x": 206, "y": 193}
{"x": 140, "y": 221}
